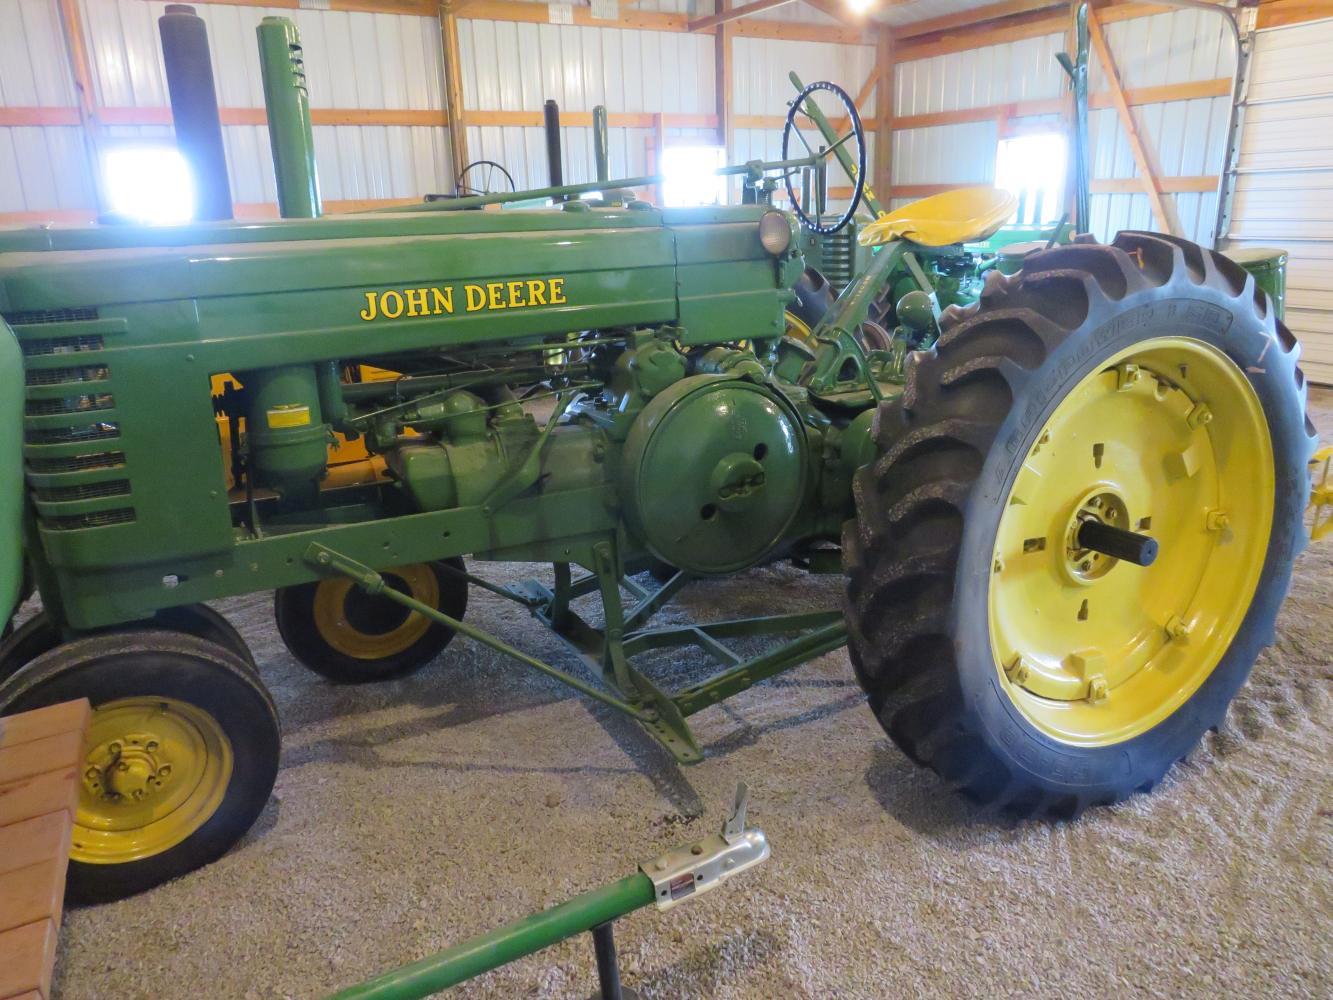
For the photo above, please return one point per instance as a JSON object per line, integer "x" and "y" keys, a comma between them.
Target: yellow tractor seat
{"x": 967, "y": 215}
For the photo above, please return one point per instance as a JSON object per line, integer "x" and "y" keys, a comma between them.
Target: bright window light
{"x": 1032, "y": 168}
{"x": 148, "y": 183}
{"x": 860, "y": 6}
{"x": 689, "y": 176}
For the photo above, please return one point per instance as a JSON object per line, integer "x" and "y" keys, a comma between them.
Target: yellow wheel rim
{"x": 155, "y": 771}
{"x": 1167, "y": 439}
{"x": 799, "y": 329}
{"x": 368, "y": 628}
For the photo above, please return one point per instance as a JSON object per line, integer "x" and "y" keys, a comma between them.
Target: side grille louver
{"x": 75, "y": 481}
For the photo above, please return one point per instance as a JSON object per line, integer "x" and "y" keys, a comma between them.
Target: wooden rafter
{"x": 453, "y": 88}
{"x": 722, "y": 81}
{"x": 1147, "y": 176}
{"x": 884, "y": 100}
{"x": 723, "y": 15}
{"x": 975, "y": 16}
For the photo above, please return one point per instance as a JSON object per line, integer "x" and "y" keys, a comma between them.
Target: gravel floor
{"x": 410, "y": 815}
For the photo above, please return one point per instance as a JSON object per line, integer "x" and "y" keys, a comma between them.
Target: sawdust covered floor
{"x": 413, "y": 814}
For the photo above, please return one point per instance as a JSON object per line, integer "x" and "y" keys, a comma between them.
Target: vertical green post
{"x": 287, "y": 103}
{"x": 601, "y": 149}
{"x": 11, "y": 472}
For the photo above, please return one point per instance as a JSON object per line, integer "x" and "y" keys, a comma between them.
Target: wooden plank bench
{"x": 40, "y": 757}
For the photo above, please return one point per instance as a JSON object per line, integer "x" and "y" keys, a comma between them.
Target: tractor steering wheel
{"x": 856, "y": 136}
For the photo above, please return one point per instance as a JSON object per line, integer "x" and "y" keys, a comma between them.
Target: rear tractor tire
{"x": 346, "y": 635}
{"x": 1146, "y": 387}
{"x": 180, "y": 758}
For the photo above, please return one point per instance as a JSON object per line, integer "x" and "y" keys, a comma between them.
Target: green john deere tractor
{"x": 1067, "y": 512}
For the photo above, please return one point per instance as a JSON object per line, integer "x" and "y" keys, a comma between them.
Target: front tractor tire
{"x": 1147, "y": 387}
{"x": 180, "y": 757}
{"x": 350, "y": 637}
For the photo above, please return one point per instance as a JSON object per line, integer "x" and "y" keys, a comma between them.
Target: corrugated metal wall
{"x": 353, "y": 60}
{"x": 760, "y": 87}
{"x": 41, "y": 167}
{"x": 964, "y": 153}
{"x": 1186, "y": 138}
{"x": 510, "y": 66}
{"x": 1284, "y": 190}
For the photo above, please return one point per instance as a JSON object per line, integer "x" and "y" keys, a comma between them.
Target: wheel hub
{"x": 155, "y": 771}
{"x": 127, "y": 768}
{"x": 1083, "y": 564}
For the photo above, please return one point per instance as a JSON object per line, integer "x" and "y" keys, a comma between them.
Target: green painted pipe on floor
{"x": 507, "y": 944}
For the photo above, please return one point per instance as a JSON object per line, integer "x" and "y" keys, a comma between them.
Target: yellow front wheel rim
{"x": 369, "y": 628}
{"x": 1167, "y": 439}
{"x": 155, "y": 771}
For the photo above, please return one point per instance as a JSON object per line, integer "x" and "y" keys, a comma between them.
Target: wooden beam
{"x": 1219, "y": 87}
{"x": 39, "y": 116}
{"x": 243, "y": 210}
{"x": 724, "y": 15}
{"x": 418, "y": 8}
{"x": 1279, "y": 13}
{"x": 1021, "y": 27}
{"x": 81, "y": 67}
{"x": 975, "y": 16}
{"x": 583, "y": 119}
{"x": 538, "y": 13}
{"x": 453, "y": 88}
{"x": 835, "y": 10}
{"x": 1200, "y": 184}
{"x": 885, "y": 62}
{"x": 1117, "y": 185}
{"x": 722, "y": 73}
{"x": 1147, "y": 175}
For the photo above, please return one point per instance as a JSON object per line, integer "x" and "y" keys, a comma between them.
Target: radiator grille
{"x": 81, "y": 403}
{"x": 84, "y": 491}
{"x": 70, "y": 435}
{"x": 97, "y": 519}
{"x": 34, "y": 316}
{"x": 62, "y": 345}
{"x": 59, "y": 376}
{"x": 76, "y": 463}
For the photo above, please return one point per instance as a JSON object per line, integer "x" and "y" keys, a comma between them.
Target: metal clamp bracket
{"x": 685, "y": 872}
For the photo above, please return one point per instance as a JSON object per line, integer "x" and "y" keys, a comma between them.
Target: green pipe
{"x": 837, "y": 145}
{"x": 507, "y": 944}
{"x": 287, "y": 103}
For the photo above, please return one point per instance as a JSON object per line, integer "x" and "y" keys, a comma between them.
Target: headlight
{"x": 775, "y": 232}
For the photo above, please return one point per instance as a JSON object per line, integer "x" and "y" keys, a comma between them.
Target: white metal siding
{"x": 1284, "y": 191}
{"x": 41, "y": 167}
{"x": 760, "y": 87}
{"x": 964, "y": 153}
{"x": 1184, "y": 138}
{"x": 508, "y": 66}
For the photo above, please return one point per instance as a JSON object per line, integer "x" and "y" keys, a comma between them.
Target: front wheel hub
{"x": 155, "y": 771}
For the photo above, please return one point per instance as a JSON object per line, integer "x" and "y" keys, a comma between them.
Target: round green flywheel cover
{"x": 715, "y": 472}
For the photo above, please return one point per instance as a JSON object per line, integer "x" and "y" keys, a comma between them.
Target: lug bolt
{"x": 1176, "y": 628}
{"x": 115, "y": 747}
{"x": 1097, "y": 690}
{"x": 151, "y": 745}
{"x": 164, "y": 770}
{"x": 1217, "y": 520}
